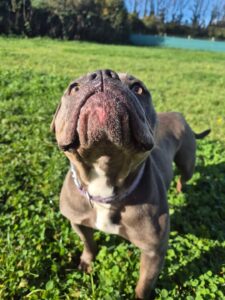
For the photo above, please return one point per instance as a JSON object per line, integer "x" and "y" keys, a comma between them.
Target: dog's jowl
{"x": 121, "y": 153}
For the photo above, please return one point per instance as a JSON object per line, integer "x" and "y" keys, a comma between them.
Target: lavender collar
{"x": 110, "y": 199}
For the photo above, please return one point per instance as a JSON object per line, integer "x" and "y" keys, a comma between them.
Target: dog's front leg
{"x": 90, "y": 247}
{"x": 150, "y": 266}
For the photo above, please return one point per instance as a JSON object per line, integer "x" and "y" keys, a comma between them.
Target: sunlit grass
{"x": 39, "y": 252}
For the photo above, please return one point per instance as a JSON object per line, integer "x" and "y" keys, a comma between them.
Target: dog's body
{"x": 121, "y": 153}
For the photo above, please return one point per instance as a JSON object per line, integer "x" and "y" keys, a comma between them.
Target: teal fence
{"x": 175, "y": 42}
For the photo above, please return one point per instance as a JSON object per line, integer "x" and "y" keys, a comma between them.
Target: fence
{"x": 175, "y": 42}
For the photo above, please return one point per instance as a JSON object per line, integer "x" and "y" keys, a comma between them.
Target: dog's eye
{"x": 74, "y": 87}
{"x": 137, "y": 89}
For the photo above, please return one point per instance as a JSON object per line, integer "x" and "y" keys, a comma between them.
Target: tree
{"x": 45, "y": 23}
{"x": 115, "y": 21}
{"x": 177, "y": 8}
{"x": 5, "y": 17}
{"x": 199, "y": 9}
{"x": 20, "y": 11}
{"x": 217, "y": 12}
{"x": 15, "y": 16}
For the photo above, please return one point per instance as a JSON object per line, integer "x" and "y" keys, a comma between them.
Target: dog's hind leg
{"x": 185, "y": 157}
{"x": 90, "y": 247}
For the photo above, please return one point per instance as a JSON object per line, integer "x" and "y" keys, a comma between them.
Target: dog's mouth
{"x": 102, "y": 118}
{"x": 106, "y": 117}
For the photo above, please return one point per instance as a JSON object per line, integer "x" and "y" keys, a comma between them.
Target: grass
{"x": 39, "y": 251}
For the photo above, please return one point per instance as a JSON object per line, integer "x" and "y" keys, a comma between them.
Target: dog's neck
{"x": 98, "y": 189}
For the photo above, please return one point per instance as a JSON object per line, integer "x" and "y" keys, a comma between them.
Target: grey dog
{"x": 121, "y": 153}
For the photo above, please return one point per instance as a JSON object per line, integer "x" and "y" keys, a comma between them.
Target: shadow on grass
{"x": 208, "y": 261}
{"x": 203, "y": 214}
{"x": 203, "y": 217}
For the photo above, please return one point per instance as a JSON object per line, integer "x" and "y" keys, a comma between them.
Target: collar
{"x": 111, "y": 199}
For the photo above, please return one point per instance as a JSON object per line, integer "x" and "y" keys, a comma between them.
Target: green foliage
{"x": 153, "y": 24}
{"x": 44, "y": 22}
{"x": 218, "y": 32}
{"x": 4, "y": 17}
{"x": 115, "y": 20}
{"x": 105, "y": 21}
{"x": 39, "y": 251}
{"x": 93, "y": 20}
{"x": 15, "y": 17}
{"x": 136, "y": 24}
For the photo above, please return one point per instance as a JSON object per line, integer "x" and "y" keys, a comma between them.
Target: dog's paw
{"x": 85, "y": 266}
{"x": 152, "y": 296}
{"x": 141, "y": 294}
{"x": 179, "y": 186}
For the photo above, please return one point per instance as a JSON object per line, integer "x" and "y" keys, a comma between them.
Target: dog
{"x": 121, "y": 153}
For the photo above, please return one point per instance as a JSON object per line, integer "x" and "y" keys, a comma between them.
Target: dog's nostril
{"x": 93, "y": 76}
{"x": 114, "y": 75}
{"x": 108, "y": 73}
{"x": 111, "y": 74}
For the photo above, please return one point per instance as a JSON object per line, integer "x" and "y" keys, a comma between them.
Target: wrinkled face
{"x": 105, "y": 107}
{"x": 105, "y": 124}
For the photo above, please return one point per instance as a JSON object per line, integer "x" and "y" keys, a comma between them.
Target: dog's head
{"x": 103, "y": 114}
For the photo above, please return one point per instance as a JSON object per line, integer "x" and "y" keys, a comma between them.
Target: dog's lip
{"x": 82, "y": 105}
{"x": 99, "y": 101}
{"x": 121, "y": 104}
{"x": 129, "y": 106}
{"x": 125, "y": 140}
{"x": 75, "y": 142}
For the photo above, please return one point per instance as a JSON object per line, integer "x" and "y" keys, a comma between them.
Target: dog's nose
{"x": 103, "y": 75}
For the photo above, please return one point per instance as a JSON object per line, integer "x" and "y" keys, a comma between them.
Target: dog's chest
{"x": 105, "y": 220}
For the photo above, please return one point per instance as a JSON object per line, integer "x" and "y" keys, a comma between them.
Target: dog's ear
{"x": 52, "y": 126}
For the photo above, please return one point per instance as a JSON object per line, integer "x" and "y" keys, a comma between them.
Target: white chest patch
{"x": 98, "y": 185}
{"x": 103, "y": 221}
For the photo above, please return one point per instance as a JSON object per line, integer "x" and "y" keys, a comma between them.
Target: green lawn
{"x": 39, "y": 252}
